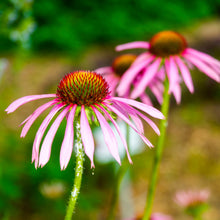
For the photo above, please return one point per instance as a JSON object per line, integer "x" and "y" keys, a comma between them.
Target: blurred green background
{"x": 42, "y": 40}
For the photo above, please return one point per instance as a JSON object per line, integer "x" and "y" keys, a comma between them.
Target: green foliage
{"x": 74, "y": 25}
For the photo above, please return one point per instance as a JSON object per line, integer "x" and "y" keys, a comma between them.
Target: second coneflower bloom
{"x": 115, "y": 72}
{"x": 83, "y": 96}
{"x": 169, "y": 50}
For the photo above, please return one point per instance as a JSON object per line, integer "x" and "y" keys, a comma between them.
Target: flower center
{"x": 82, "y": 88}
{"x": 122, "y": 63}
{"x": 166, "y": 43}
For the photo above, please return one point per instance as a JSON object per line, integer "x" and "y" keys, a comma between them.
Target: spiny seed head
{"x": 166, "y": 43}
{"x": 122, "y": 63}
{"x": 82, "y": 88}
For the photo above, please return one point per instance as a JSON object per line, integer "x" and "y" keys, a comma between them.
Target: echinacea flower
{"x": 120, "y": 65}
{"x": 193, "y": 202}
{"x": 83, "y": 96}
{"x": 166, "y": 49}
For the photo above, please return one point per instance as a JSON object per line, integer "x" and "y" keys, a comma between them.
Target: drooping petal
{"x": 122, "y": 116}
{"x": 172, "y": 73}
{"x": 157, "y": 89}
{"x": 30, "y": 120}
{"x": 203, "y": 56}
{"x": 177, "y": 93}
{"x": 146, "y": 108}
{"x": 146, "y": 99}
{"x": 132, "y": 110}
{"x": 202, "y": 67}
{"x": 86, "y": 135}
{"x": 67, "y": 145}
{"x": 118, "y": 130}
{"x": 47, "y": 143}
{"x": 133, "y": 45}
{"x": 130, "y": 75}
{"x": 185, "y": 74}
{"x": 109, "y": 136}
{"x": 148, "y": 75}
{"x": 40, "y": 132}
{"x": 17, "y": 103}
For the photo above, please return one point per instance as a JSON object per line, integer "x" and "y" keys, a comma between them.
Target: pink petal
{"x": 203, "y": 56}
{"x": 119, "y": 132}
{"x": 47, "y": 143}
{"x": 67, "y": 145}
{"x": 124, "y": 118}
{"x": 202, "y": 67}
{"x": 157, "y": 90}
{"x": 109, "y": 136}
{"x": 145, "y": 99}
{"x": 185, "y": 74}
{"x": 104, "y": 70}
{"x": 132, "y": 110}
{"x": 41, "y": 131}
{"x": 142, "y": 57}
{"x": 30, "y": 120}
{"x": 133, "y": 45}
{"x": 172, "y": 73}
{"x": 86, "y": 135}
{"x": 130, "y": 75}
{"x": 177, "y": 93}
{"x": 17, "y": 103}
{"x": 148, "y": 75}
{"x": 146, "y": 108}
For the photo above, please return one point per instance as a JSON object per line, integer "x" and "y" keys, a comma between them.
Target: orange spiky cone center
{"x": 82, "y": 88}
{"x": 122, "y": 63}
{"x": 167, "y": 43}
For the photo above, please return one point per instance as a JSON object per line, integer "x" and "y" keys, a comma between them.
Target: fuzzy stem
{"x": 119, "y": 177}
{"x": 78, "y": 174}
{"x": 158, "y": 152}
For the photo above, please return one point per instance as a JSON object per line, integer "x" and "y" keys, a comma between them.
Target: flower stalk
{"x": 158, "y": 152}
{"x": 78, "y": 174}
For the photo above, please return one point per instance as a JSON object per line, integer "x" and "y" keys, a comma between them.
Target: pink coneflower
{"x": 120, "y": 65}
{"x": 166, "y": 49}
{"x": 191, "y": 198}
{"x": 83, "y": 97}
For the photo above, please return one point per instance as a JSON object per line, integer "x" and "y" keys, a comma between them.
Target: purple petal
{"x": 67, "y": 145}
{"x": 146, "y": 108}
{"x": 30, "y": 120}
{"x": 120, "y": 115}
{"x": 148, "y": 75}
{"x": 202, "y": 67}
{"x": 17, "y": 103}
{"x": 47, "y": 143}
{"x": 130, "y": 75}
{"x": 118, "y": 130}
{"x": 185, "y": 74}
{"x": 145, "y": 99}
{"x": 133, "y": 45}
{"x": 86, "y": 135}
{"x": 109, "y": 136}
{"x": 41, "y": 131}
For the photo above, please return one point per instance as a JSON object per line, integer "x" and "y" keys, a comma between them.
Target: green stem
{"x": 121, "y": 172}
{"x": 78, "y": 174}
{"x": 158, "y": 152}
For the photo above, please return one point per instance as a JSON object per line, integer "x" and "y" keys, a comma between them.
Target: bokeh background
{"x": 42, "y": 40}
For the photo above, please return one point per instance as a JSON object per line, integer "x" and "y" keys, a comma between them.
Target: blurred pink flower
{"x": 166, "y": 49}
{"x": 191, "y": 198}
{"x": 120, "y": 65}
{"x": 83, "y": 96}
{"x": 154, "y": 216}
